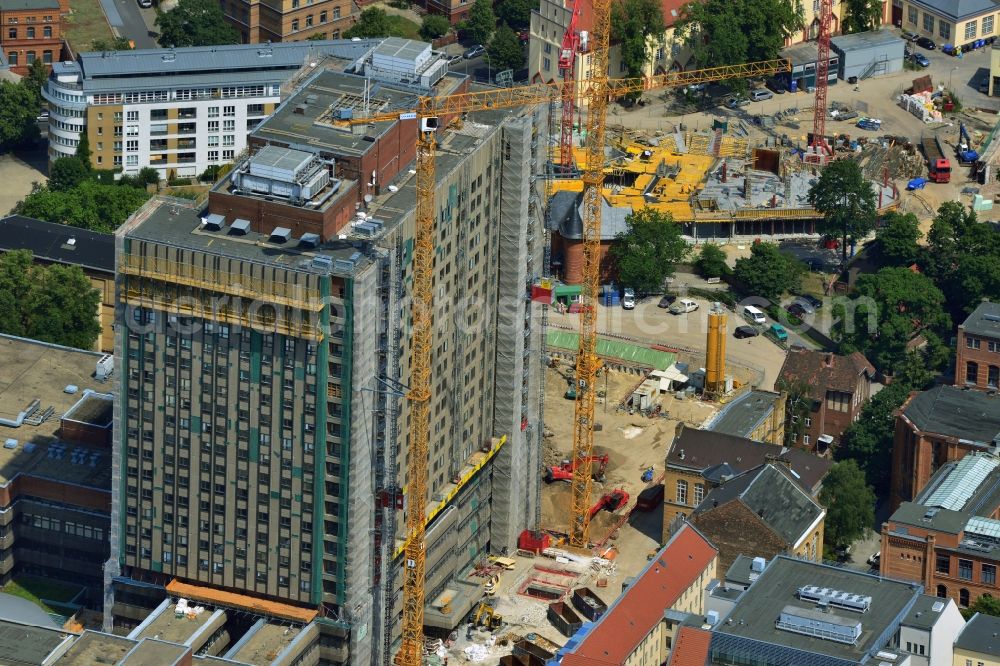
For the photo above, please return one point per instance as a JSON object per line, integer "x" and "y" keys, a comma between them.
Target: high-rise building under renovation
{"x": 264, "y": 346}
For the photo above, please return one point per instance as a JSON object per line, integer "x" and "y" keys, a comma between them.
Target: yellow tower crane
{"x": 428, "y": 113}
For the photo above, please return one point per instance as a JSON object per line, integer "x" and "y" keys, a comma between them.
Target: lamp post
{"x": 489, "y": 69}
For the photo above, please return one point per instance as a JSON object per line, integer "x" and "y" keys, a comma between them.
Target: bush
{"x": 711, "y": 261}
{"x": 434, "y": 26}
{"x": 210, "y": 174}
{"x": 174, "y": 182}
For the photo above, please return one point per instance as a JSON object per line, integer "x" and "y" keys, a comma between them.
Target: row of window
{"x": 944, "y": 27}
{"x": 682, "y": 492}
{"x": 972, "y": 374}
{"x": 972, "y": 342}
{"x": 13, "y": 57}
{"x": 184, "y": 94}
{"x": 309, "y": 19}
{"x": 987, "y": 574}
{"x": 30, "y": 33}
{"x": 69, "y": 527}
{"x": 30, "y": 19}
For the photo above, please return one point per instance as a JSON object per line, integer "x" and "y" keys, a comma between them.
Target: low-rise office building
{"x": 263, "y": 22}
{"x": 945, "y": 21}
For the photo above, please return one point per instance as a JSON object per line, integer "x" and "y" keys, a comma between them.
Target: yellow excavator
{"x": 487, "y": 617}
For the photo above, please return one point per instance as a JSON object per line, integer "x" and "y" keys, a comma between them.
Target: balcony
{"x": 158, "y": 144}
{"x": 187, "y": 114}
{"x": 186, "y": 128}
{"x": 186, "y": 144}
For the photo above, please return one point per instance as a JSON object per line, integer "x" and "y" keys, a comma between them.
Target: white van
{"x": 761, "y": 94}
{"x": 753, "y": 315}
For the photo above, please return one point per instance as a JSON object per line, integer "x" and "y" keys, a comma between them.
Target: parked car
{"x": 779, "y": 332}
{"x": 926, "y": 43}
{"x": 803, "y": 305}
{"x": 474, "y": 52}
{"x": 666, "y": 301}
{"x": 628, "y": 299}
{"x": 746, "y": 332}
{"x": 43, "y": 115}
{"x": 777, "y": 86}
{"x": 454, "y": 58}
{"x": 761, "y": 94}
{"x": 697, "y": 87}
{"x": 920, "y": 59}
{"x": 910, "y": 36}
{"x": 811, "y": 300}
{"x": 145, "y": 4}
{"x": 875, "y": 559}
{"x": 984, "y": 86}
{"x": 797, "y": 310}
{"x": 683, "y": 305}
{"x": 737, "y": 101}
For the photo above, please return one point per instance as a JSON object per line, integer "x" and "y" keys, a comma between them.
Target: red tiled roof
{"x": 641, "y": 606}
{"x": 821, "y": 371}
{"x": 690, "y": 648}
{"x": 671, "y": 12}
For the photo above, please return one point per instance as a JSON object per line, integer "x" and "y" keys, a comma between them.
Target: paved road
{"x": 131, "y": 21}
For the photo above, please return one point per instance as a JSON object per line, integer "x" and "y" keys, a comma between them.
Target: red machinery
{"x": 820, "y": 148}
{"x": 612, "y": 501}
{"x": 567, "y": 65}
{"x": 564, "y": 470}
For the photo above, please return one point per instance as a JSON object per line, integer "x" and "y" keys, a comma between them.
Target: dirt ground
{"x": 17, "y": 172}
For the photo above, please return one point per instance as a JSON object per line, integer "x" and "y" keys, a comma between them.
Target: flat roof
{"x": 753, "y": 618}
{"x": 868, "y": 39}
{"x": 166, "y": 626}
{"x": 29, "y": 371}
{"x": 926, "y": 612}
{"x": 742, "y": 416}
{"x": 266, "y": 643}
{"x": 51, "y": 242}
{"x": 972, "y": 416}
{"x": 27, "y": 644}
{"x": 985, "y": 319}
{"x": 96, "y": 647}
{"x": 803, "y": 54}
{"x": 151, "y": 652}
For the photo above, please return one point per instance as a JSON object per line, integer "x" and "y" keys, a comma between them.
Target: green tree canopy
{"x": 19, "y": 106}
{"x": 54, "y": 304}
{"x": 888, "y": 309}
{"x": 115, "y": 44}
{"x": 37, "y": 75}
{"x": 195, "y": 23}
{"x": 505, "y": 50}
{"x": 986, "y": 604}
{"x": 963, "y": 257}
{"x": 868, "y": 441}
{"x": 862, "y": 15}
{"x": 481, "y": 23}
{"x": 711, "y": 261}
{"x": 89, "y": 205}
{"x": 516, "y": 13}
{"x": 434, "y": 26}
{"x": 899, "y": 239}
{"x": 732, "y": 32}
{"x": 633, "y": 24}
{"x": 847, "y": 201}
{"x": 849, "y": 502}
{"x": 768, "y": 272}
{"x": 372, "y": 22}
{"x": 646, "y": 252}
{"x": 66, "y": 173}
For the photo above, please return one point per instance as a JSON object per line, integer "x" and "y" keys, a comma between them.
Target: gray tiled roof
{"x": 984, "y": 320}
{"x": 773, "y": 496}
{"x": 20, "y": 5}
{"x": 981, "y": 635}
{"x": 973, "y": 416}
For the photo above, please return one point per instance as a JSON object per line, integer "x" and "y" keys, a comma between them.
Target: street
{"x": 131, "y": 21}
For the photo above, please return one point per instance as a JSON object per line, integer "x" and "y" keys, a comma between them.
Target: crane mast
{"x": 567, "y": 66}
{"x": 820, "y": 148}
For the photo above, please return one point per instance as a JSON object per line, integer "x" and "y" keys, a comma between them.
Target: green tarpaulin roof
{"x": 567, "y": 290}
{"x": 615, "y": 349}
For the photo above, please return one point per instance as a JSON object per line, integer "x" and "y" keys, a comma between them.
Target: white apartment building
{"x": 176, "y": 110}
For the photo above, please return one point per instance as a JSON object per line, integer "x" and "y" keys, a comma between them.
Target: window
{"x": 336, "y": 13}
{"x": 809, "y": 421}
{"x": 970, "y": 29}
{"x": 228, "y": 125}
{"x": 228, "y": 140}
{"x": 31, "y": 32}
{"x": 699, "y": 493}
{"x": 972, "y": 343}
{"x": 987, "y": 26}
{"x": 213, "y": 125}
{"x": 682, "y": 492}
{"x": 993, "y": 376}
{"x": 47, "y": 31}
{"x": 213, "y": 156}
{"x": 805, "y": 440}
{"x": 965, "y": 569}
{"x": 963, "y": 598}
{"x": 911, "y": 15}
{"x": 971, "y": 372}
{"x": 213, "y": 112}
{"x": 228, "y": 155}
{"x": 295, "y": 25}
{"x": 213, "y": 140}
{"x": 12, "y": 57}
{"x": 229, "y": 111}
{"x": 944, "y": 30}
{"x": 309, "y": 21}
{"x": 31, "y": 57}
{"x": 12, "y": 33}
{"x": 132, "y": 144}
{"x": 546, "y": 64}
{"x": 989, "y": 574}
{"x": 928, "y": 22}
{"x": 943, "y": 565}
{"x": 942, "y": 592}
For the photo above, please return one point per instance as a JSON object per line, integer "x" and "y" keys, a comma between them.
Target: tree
{"x": 37, "y": 75}
{"x": 862, "y": 15}
{"x": 798, "y": 406}
{"x": 768, "y": 272}
{"x": 633, "y": 24}
{"x": 963, "y": 258}
{"x": 115, "y": 44}
{"x": 372, "y": 22}
{"x": 19, "y": 106}
{"x": 849, "y": 502}
{"x": 986, "y": 604}
{"x": 732, "y": 32}
{"x": 711, "y": 261}
{"x": 481, "y": 23}
{"x": 90, "y": 205}
{"x": 898, "y": 239}
{"x": 66, "y": 173}
{"x": 847, "y": 201}
{"x": 434, "y": 26}
{"x": 505, "y": 50}
{"x": 83, "y": 151}
{"x": 868, "y": 441}
{"x": 195, "y": 23}
{"x": 516, "y": 13}
{"x": 889, "y": 309}
{"x": 53, "y": 304}
{"x": 645, "y": 253}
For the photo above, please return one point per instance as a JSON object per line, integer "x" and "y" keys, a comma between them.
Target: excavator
{"x": 612, "y": 501}
{"x": 564, "y": 470}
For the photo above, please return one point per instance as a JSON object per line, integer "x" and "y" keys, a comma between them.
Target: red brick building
{"x": 949, "y": 537}
{"x": 838, "y": 388}
{"x": 935, "y": 427}
{"x": 31, "y": 30}
{"x": 977, "y": 359}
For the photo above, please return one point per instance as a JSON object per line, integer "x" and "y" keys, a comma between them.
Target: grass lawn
{"x": 403, "y": 27}
{"x": 85, "y": 24}
{"x": 35, "y": 589}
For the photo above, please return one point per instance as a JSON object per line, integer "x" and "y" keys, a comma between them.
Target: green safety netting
{"x": 615, "y": 349}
